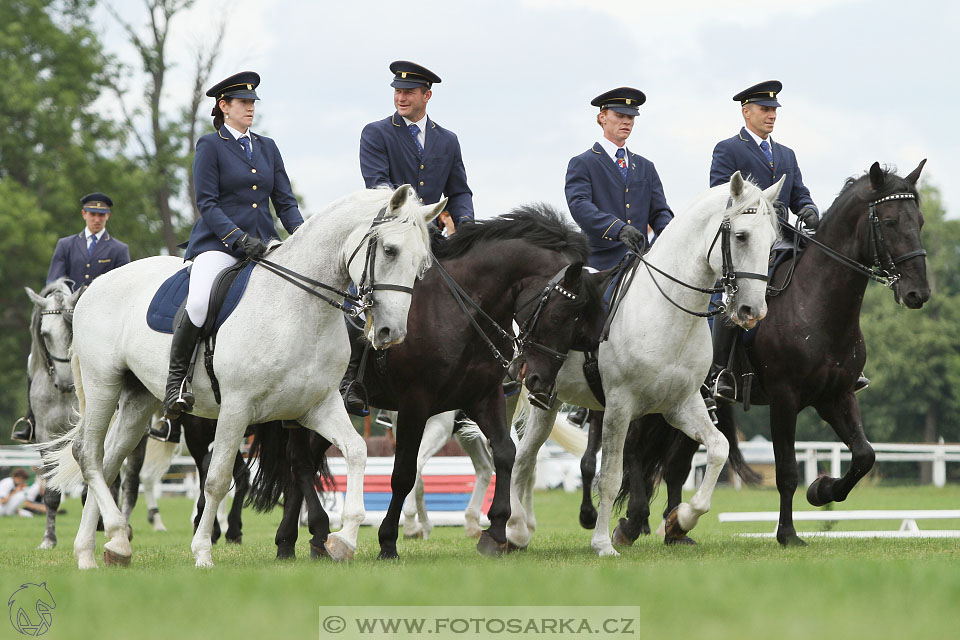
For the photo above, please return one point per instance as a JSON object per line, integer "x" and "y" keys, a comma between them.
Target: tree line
{"x": 56, "y": 145}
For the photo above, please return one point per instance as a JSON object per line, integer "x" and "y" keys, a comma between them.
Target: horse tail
{"x": 326, "y": 481}
{"x": 273, "y": 469}
{"x": 60, "y": 467}
{"x": 571, "y": 438}
{"x": 727, "y": 424}
{"x": 654, "y": 444}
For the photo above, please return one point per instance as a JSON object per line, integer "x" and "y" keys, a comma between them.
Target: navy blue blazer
{"x": 71, "y": 260}
{"x": 388, "y": 155}
{"x": 742, "y": 153}
{"x": 233, "y": 193}
{"x": 601, "y": 203}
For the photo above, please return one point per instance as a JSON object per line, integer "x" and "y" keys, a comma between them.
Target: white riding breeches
{"x": 206, "y": 267}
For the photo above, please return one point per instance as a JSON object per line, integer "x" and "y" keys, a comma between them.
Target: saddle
{"x": 610, "y": 283}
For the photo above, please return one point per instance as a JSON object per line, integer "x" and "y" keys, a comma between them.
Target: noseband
{"x": 363, "y": 299}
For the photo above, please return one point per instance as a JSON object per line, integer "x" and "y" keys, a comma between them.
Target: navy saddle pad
{"x": 173, "y": 292}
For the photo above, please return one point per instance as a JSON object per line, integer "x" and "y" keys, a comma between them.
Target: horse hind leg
{"x": 482, "y": 460}
{"x": 51, "y": 500}
{"x": 783, "y": 430}
{"x": 535, "y": 433}
{"x": 844, "y": 417}
{"x": 241, "y": 477}
{"x": 692, "y": 418}
{"x": 130, "y": 487}
{"x": 588, "y": 469}
{"x": 436, "y": 433}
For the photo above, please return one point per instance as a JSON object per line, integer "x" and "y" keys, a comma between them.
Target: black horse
{"x": 809, "y": 350}
{"x": 526, "y": 265}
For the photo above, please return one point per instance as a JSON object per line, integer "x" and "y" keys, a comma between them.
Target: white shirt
{"x": 87, "y": 235}
{"x": 422, "y": 125}
{"x": 611, "y": 150}
{"x": 237, "y": 135}
{"x": 758, "y": 139}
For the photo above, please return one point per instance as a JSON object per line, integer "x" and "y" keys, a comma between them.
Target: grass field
{"x": 727, "y": 587}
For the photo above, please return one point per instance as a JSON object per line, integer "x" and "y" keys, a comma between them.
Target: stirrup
{"x": 384, "y": 419}
{"x": 163, "y": 431}
{"x": 728, "y": 391}
{"x": 362, "y": 410}
{"x": 862, "y": 383}
{"x": 26, "y": 435}
{"x": 710, "y": 403}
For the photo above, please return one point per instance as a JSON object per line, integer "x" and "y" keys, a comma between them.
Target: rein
{"x": 728, "y": 279}
{"x": 883, "y": 268}
{"x": 363, "y": 299}
{"x": 521, "y": 342}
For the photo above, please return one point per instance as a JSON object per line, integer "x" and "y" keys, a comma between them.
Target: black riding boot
{"x": 166, "y": 430}
{"x": 25, "y": 434}
{"x": 350, "y": 388}
{"x": 577, "y": 417}
{"x": 179, "y": 398}
{"x": 721, "y": 380}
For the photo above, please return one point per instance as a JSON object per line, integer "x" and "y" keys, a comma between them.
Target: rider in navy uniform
{"x": 615, "y": 194}
{"x": 81, "y": 258}
{"x": 237, "y": 173}
{"x": 758, "y": 157}
{"x": 410, "y": 148}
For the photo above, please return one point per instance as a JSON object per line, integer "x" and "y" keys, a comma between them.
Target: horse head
{"x": 397, "y": 253}
{"x": 51, "y": 328}
{"x": 895, "y": 236}
{"x": 569, "y": 306}
{"x": 741, "y": 250}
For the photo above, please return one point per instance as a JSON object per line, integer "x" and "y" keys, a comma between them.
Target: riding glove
{"x": 251, "y": 246}
{"x": 633, "y": 238}
{"x": 809, "y": 217}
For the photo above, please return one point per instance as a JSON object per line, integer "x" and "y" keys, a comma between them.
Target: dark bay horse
{"x": 511, "y": 267}
{"x": 809, "y": 350}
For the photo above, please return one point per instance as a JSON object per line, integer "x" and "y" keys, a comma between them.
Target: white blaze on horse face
{"x": 401, "y": 255}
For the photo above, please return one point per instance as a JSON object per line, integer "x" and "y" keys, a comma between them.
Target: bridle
{"x": 883, "y": 267}
{"x": 524, "y": 339}
{"x": 729, "y": 275}
{"x": 358, "y": 302}
{"x": 48, "y": 357}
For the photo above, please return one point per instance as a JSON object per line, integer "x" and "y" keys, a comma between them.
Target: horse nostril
{"x": 383, "y": 335}
{"x": 532, "y": 380}
{"x": 745, "y": 311}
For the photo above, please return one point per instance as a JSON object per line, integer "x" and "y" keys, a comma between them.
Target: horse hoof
{"x": 685, "y": 540}
{"x": 792, "y": 540}
{"x": 286, "y": 552}
{"x": 237, "y": 540}
{"x": 414, "y": 536}
{"x": 813, "y": 493}
{"x": 672, "y": 528}
{"x": 318, "y": 551}
{"x": 111, "y": 559}
{"x": 515, "y": 548}
{"x": 489, "y": 547}
{"x": 473, "y": 534}
{"x": 388, "y": 554}
{"x": 618, "y": 538}
{"x": 609, "y": 552}
{"x": 645, "y": 528}
{"x": 339, "y": 549}
{"x": 47, "y": 543}
{"x": 588, "y": 518}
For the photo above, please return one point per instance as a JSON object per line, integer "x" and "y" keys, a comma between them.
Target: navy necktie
{"x": 93, "y": 243}
{"x": 415, "y": 132}
{"x": 765, "y": 147}
{"x": 247, "y": 147}
{"x": 622, "y": 164}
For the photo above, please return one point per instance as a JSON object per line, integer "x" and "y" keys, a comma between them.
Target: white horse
{"x": 437, "y": 432}
{"x": 280, "y": 355}
{"x": 51, "y": 378}
{"x": 658, "y": 355}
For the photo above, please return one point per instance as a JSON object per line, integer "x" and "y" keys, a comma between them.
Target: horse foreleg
{"x": 51, "y": 500}
{"x": 482, "y": 460}
{"x": 588, "y": 469}
{"x": 229, "y": 435}
{"x": 241, "y": 483}
{"x": 536, "y": 431}
{"x": 410, "y": 425}
{"x": 330, "y": 420}
{"x": 619, "y": 411}
{"x": 305, "y": 468}
{"x": 490, "y": 416}
{"x": 693, "y": 420}
{"x": 289, "y": 529}
{"x": 844, "y": 416}
{"x": 783, "y": 431}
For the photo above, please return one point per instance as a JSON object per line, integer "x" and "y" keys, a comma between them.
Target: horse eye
{"x": 390, "y": 251}
{"x": 890, "y": 222}
{"x": 742, "y": 236}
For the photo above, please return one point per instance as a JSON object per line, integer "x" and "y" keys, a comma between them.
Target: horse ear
{"x": 571, "y": 276}
{"x": 35, "y": 297}
{"x": 876, "y": 176}
{"x": 915, "y": 174}
{"x": 439, "y": 208}
{"x": 772, "y": 192}
{"x": 400, "y": 196}
{"x": 736, "y": 185}
{"x": 72, "y": 300}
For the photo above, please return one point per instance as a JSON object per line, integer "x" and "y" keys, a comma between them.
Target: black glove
{"x": 251, "y": 246}
{"x": 633, "y": 238}
{"x": 809, "y": 217}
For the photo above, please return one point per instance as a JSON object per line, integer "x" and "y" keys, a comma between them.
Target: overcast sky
{"x": 863, "y": 82}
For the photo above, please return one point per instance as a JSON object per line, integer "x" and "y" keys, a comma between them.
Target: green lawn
{"x": 727, "y": 587}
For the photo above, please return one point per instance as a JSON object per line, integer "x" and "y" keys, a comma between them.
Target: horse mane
{"x": 858, "y": 188}
{"x": 62, "y": 290}
{"x": 537, "y": 223}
